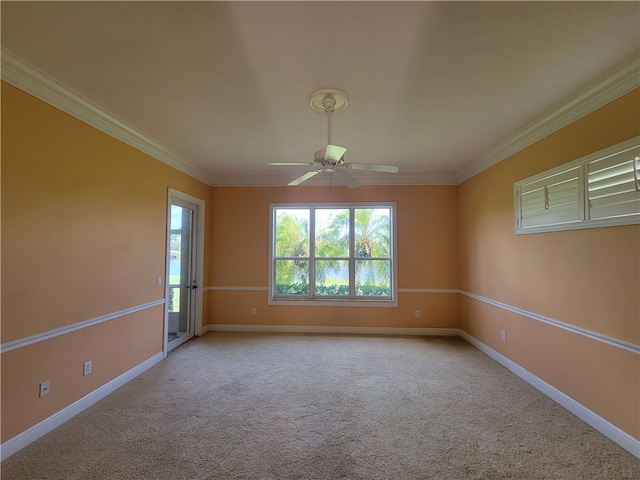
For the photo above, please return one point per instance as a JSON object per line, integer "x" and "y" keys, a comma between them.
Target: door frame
{"x": 198, "y": 251}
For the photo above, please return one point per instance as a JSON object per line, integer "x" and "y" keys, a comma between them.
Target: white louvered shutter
{"x": 554, "y": 199}
{"x": 614, "y": 185}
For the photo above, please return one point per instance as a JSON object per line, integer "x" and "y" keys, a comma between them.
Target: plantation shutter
{"x": 554, "y": 199}
{"x": 614, "y": 185}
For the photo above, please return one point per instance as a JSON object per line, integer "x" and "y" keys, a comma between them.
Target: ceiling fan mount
{"x": 330, "y": 101}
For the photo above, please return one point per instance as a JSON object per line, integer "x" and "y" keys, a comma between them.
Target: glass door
{"x": 182, "y": 278}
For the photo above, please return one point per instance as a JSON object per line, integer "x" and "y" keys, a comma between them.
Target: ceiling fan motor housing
{"x": 329, "y": 102}
{"x": 319, "y": 155}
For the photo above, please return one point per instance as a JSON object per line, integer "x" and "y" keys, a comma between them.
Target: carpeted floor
{"x": 254, "y": 406}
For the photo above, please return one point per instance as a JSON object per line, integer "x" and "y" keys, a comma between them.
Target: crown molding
{"x": 34, "y": 81}
{"x": 617, "y": 83}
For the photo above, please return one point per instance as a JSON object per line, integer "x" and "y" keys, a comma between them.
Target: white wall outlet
{"x": 45, "y": 388}
{"x": 159, "y": 281}
{"x": 253, "y": 310}
{"x": 417, "y": 313}
{"x": 86, "y": 368}
{"x": 503, "y": 335}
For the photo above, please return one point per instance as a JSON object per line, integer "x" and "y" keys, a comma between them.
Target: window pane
{"x": 332, "y": 232}
{"x": 373, "y": 232}
{"x": 332, "y": 253}
{"x": 292, "y": 277}
{"x": 332, "y": 277}
{"x": 174, "y": 299}
{"x": 373, "y": 278}
{"x": 292, "y": 232}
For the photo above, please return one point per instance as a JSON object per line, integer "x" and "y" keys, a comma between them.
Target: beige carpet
{"x": 249, "y": 406}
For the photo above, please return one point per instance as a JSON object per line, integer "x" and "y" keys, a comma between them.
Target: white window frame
{"x": 584, "y": 219}
{"x": 350, "y": 301}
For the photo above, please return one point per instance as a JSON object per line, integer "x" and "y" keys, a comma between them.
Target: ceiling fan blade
{"x": 303, "y": 178}
{"x": 375, "y": 168}
{"x": 345, "y": 178}
{"x": 289, "y": 164}
{"x": 334, "y": 153}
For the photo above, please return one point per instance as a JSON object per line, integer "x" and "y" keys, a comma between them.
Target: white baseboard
{"x": 23, "y": 439}
{"x": 617, "y": 435}
{"x": 450, "y": 332}
{"x": 620, "y": 437}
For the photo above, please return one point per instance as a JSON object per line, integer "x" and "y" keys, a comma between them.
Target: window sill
{"x": 334, "y": 302}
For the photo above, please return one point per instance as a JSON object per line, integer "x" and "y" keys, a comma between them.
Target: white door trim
{"x": 173, "y": 194}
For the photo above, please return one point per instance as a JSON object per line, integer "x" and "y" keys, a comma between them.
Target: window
{"x": 601, "y": 189}
{"x": 614, "y": 183}
{"x": 333, "y": 254}
{"x": 553, "y": 199}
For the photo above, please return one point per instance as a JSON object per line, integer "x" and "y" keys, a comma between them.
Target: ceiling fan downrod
{"x": 329, "y": 103}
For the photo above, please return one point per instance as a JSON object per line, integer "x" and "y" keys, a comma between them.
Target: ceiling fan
{"x": 331, "y": 158}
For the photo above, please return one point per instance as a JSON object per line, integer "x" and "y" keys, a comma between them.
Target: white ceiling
{"x": 434, "y": 87}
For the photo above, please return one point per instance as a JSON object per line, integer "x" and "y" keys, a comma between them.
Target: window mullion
{"x": 352, "y": 253}
{"x": 312, "y": 252}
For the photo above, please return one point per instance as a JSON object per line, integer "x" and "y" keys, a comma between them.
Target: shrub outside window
{"x": 333, "y": 254}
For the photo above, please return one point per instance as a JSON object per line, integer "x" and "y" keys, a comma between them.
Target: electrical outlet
{"x": 503, "y": 335}
{"x": 86, "y": 368}
{"x": 417, "y": 313}
{"x": 253, "y": 311}
{"x": 45, "y": 388}
{"x": 159, "y": 281}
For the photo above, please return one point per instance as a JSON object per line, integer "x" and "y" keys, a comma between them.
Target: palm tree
{"x": 371, "y": 240}
{"x": 292, "y": 242}
{"x": 332, "y": 251}
{"x": 372, "y": 235}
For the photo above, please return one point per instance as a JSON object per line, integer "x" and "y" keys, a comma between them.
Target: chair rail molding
{"x": 56, "y": 332}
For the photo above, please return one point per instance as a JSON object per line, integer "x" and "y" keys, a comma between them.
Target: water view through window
{"x": 332, "y": 252}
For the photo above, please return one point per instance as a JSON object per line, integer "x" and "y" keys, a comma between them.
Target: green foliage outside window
{"x": 332, "y": 243}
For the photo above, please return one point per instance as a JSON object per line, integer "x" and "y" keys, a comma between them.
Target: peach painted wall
{"x": 426, "y": 235}
{"x": 84, "y": 218}
{"x": 586, "y": 278}
{"x": 83, "y": 235}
